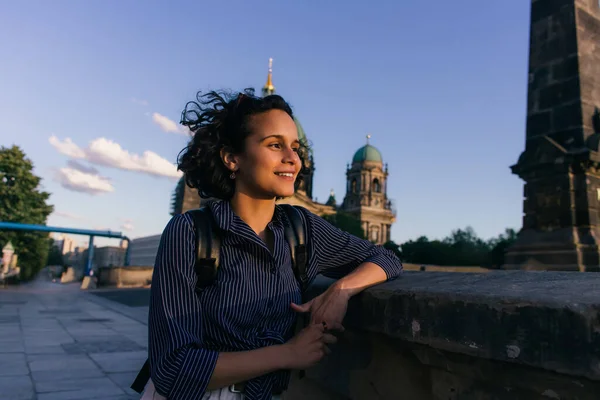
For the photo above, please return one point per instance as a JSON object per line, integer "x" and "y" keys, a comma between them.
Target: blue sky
{"x": 441, "y": 86}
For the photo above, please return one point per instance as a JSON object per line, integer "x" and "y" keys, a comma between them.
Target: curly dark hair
{"x": 219, "y": 120}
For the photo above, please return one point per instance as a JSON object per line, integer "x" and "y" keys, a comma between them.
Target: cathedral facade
{"x": 366, "y": 189}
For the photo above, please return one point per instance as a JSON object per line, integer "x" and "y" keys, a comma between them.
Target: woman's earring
{"x": 232, "y": 176}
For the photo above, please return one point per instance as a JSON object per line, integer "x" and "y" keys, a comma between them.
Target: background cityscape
{"x": 445, "y": 106}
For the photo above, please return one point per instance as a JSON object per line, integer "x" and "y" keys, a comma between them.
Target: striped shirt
{"x": 248, "y": 306}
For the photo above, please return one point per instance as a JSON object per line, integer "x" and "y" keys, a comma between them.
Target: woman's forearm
{"x": 364, "y": 276}
{"x": 240, "y": 366}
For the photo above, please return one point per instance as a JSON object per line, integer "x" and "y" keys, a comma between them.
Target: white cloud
{"x": 139, "y": 102}
{"x": 78, "y": 181}
{"x": 106, "y": 152}
{"x": 68, "y": 215}
{"x": 102, "y": 151}
{"x": 67, "y": 147}
{"x": 166, "y": 124}
{"x": 127, "y": 225}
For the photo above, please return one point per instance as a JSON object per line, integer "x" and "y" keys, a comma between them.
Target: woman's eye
{"x": 276, "y": 145}
{"x": 296, "y": 149}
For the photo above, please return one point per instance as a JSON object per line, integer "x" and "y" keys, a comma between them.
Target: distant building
{"x": 366, "y": 194}
{"x": 142, "y": 251}
{"x": 108, "y": 256}
{"x": 65, "y": 244}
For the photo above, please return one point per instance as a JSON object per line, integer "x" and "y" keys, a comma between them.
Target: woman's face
{"x": 269, "y": 165}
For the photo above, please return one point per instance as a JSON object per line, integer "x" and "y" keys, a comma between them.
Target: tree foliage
{"x": 22, "y": 200}
{"x": 55, "y": 256}
{"x": 346, "y": 222}
{"x": 461, "y": 248}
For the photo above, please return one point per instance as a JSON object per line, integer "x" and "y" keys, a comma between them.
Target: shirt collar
{"x": 227, "y": 220}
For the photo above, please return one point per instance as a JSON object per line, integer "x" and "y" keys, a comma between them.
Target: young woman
{"x": 235, "y": 339}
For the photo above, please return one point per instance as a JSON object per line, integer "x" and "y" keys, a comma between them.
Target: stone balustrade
{"x": 445, "y": 336}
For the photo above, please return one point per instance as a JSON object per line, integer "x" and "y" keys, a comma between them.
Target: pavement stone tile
{"x": 40, "y": 349}
{"x": 17, "y": 387}
{"x": 13, "y": 364}
{"x": 49, "y": 336}
{"x": 99, "y": 392}
{"x": 94, "y": 337}
{"x": 54, "y": 362}
{"x": 14, "y": 346}
{"x": 120, "y": 362}
{"x": 103, "y": 345}
{"x": 47, "y": 341}
{"x": 124, "y": 381}
{"x": 41, "y": 326}
{"x": 141, "y": 340}
{"x": 8, "y": 320}
{"x": 10, "y": 335}
{"x": 10, "y": 327}
{"x": 57, "y": 341}
{"x": 65, "y": 385}
{"x": 54, "y": 375}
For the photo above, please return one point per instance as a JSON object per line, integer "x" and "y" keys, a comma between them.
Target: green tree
{"x": 461, "y": 248}
{"x": 498, "y": 247}
{"x": 393, "y": 246}
{"x": 424, "y": 251}
{"x": 346, "y": 222}
{"x": 55, "y": 256}
{"x": 466, "y": 248}
{"x": 21, "y": 200}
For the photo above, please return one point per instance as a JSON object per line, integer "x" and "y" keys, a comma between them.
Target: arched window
{"x": 376, "y": 186}
{"x": 353, "y": 186}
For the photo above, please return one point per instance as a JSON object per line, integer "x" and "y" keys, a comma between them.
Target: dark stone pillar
{"x": 560, "y": 164}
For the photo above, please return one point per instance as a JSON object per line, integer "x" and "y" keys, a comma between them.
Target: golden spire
{"x": 269, "y": 88}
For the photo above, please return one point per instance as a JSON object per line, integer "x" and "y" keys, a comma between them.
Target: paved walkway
{"x": 58, "y": 342}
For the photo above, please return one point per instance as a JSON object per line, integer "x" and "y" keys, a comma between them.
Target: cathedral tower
{"x": 309, "y": 169}
{"x": 366, "y": 194}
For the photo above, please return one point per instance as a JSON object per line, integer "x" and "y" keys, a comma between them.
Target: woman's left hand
{"x": 328, "y": 308}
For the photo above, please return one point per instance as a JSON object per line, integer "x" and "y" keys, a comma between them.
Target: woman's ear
{"x": 230, "y": 160}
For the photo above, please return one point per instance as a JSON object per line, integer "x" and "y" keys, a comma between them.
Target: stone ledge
{"x": 548, "y": 320}
{"x": 125, "y": 277}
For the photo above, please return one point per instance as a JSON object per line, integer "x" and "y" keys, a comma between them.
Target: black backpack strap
{"x": 142, "y": 378}
{"x": 208, "y": 246}
{"x": 295, "y": 234}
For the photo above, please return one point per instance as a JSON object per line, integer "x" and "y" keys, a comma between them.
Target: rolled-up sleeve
{"x": 180, "y": 367}
{"x": 336, "y": 252}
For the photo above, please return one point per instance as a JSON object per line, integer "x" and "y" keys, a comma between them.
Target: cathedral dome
{"x": 301, "y": 134}
{"x": 367, "y": 153}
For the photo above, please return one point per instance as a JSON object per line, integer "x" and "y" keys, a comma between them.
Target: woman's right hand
{"x": 308, "y": 347}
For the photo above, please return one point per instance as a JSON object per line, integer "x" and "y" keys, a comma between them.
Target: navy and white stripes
{"x": 248, "y": 307}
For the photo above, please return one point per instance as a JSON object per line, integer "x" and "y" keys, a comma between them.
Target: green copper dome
{"x": 367, "y": 153}
{"x": 302, "y": 135}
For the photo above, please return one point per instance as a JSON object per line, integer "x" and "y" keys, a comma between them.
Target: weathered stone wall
{"x": 497, "y": 335}
{"x": 125, "y": 276}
